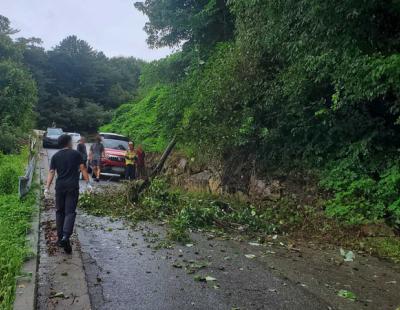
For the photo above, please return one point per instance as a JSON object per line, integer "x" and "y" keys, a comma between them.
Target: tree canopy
{"x": 73, "y": 85}
{"x": 192, "y": 22}
{"x": 75, "y": 79}
{"x": 18, "y": 92}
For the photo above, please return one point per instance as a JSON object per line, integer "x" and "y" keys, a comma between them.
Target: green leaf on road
{"x": 347, "y": 256}
{"x": 199, "y": 278}
{"x": 250, "y": 256}
{"x": 347, "y": 294}
{"x": 204, "y": 279}
{"x": 177, "y": 265}
{"x": 58, "y": 295}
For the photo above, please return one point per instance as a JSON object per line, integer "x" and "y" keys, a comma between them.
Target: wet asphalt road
{"x": 124, "y": 270}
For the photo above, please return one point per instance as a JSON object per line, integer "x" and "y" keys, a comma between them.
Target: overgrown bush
{"x": 14, "y": 224}
{"x": 361, "y": 198}
{"x": 138, "y": 120}
{"x": 11, "y": 138}
{"x": 11, "y": 167}
{"x": 15, "y": 217}
{"x": 18, "y": 91}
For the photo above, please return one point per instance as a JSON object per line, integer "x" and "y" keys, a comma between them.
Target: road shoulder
{"x": 61, "y": 277}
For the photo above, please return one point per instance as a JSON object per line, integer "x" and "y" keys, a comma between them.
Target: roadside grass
{"x": 15, "y": 216}
{"x": 385, "y": 247}
{"x": 185, "y": 211}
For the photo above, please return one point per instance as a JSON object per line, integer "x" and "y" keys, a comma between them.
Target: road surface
{"x": 126, "y": 268}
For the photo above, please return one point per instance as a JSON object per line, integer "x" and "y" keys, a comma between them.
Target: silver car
{"x": 50, "y": 138}
{"x": 75, "y": 136}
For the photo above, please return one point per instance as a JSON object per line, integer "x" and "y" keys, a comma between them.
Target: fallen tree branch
{"x": 158, "y": 168}
{"x": 164, "y": 157}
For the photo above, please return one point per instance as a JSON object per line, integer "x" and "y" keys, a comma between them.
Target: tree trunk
{"x": 159, "y": 166}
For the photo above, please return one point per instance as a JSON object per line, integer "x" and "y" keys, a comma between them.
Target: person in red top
{"x": 140, "y": 163}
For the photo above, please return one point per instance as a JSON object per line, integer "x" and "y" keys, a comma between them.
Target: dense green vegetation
{"x": 72, "y": 85}
{"x": 18, "y": 98}
{"x": 18, "y": 93}
{"x": 78, "y": 86}
{"x": 15, "y": 215}
{"x": 290, "y": 85}
{"x": 140, "y": 120}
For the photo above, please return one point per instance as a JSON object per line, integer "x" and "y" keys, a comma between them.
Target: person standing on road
{"x": 95, "y": 156}
{"x": 67, "y": 163}
{"x": 140, "y": 163}
{"x": 130, "y": 162}
{"x": 81, "y": 148}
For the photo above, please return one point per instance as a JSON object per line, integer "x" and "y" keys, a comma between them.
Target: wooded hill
{"x": 290, "y": 85}
{"x": 72, "y": 85}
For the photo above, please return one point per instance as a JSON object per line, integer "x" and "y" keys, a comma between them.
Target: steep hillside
{"x": 294, "y": 87}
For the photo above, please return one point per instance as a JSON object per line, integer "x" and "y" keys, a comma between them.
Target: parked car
{"x": 115, "y": 147}
{"x": 75, "y": 136}
{"x": 50, "y": 137}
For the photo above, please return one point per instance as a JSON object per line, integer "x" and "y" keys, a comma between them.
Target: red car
{"x": 115, "y": 147}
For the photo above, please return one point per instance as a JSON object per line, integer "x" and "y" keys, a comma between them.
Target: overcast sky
{"x": 112, "y": 26}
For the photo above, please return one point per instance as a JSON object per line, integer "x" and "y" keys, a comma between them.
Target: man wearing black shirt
{"x": 67, "y": 163}
{"x": 81, "y": 148}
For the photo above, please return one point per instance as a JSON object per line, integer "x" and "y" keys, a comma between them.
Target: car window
{"x": 115, "y": 144}
{"x": 113, "y": 137}
{"x": 54, "y": 131}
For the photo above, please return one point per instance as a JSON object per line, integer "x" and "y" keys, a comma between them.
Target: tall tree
{"x": 18, "y": 92}
{"x": 194, "y": 22}
{"x": 74, "y": 77}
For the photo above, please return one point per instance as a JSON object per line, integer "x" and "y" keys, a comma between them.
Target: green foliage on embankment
{"x": 18, "y": 91}
{"x": 15, "y": 216}
{"x": 140, "y": 122}
{"x": 295, "y": 85}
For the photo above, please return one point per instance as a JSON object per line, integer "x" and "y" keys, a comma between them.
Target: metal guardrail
{"x": 25, "y": 181}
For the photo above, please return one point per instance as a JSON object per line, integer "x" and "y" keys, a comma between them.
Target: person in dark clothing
{"x": 81, "y": 148}
{"x": 140, "y": 163}
{"x": 95, "y": 155}
{"x": 66, "y": 163}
